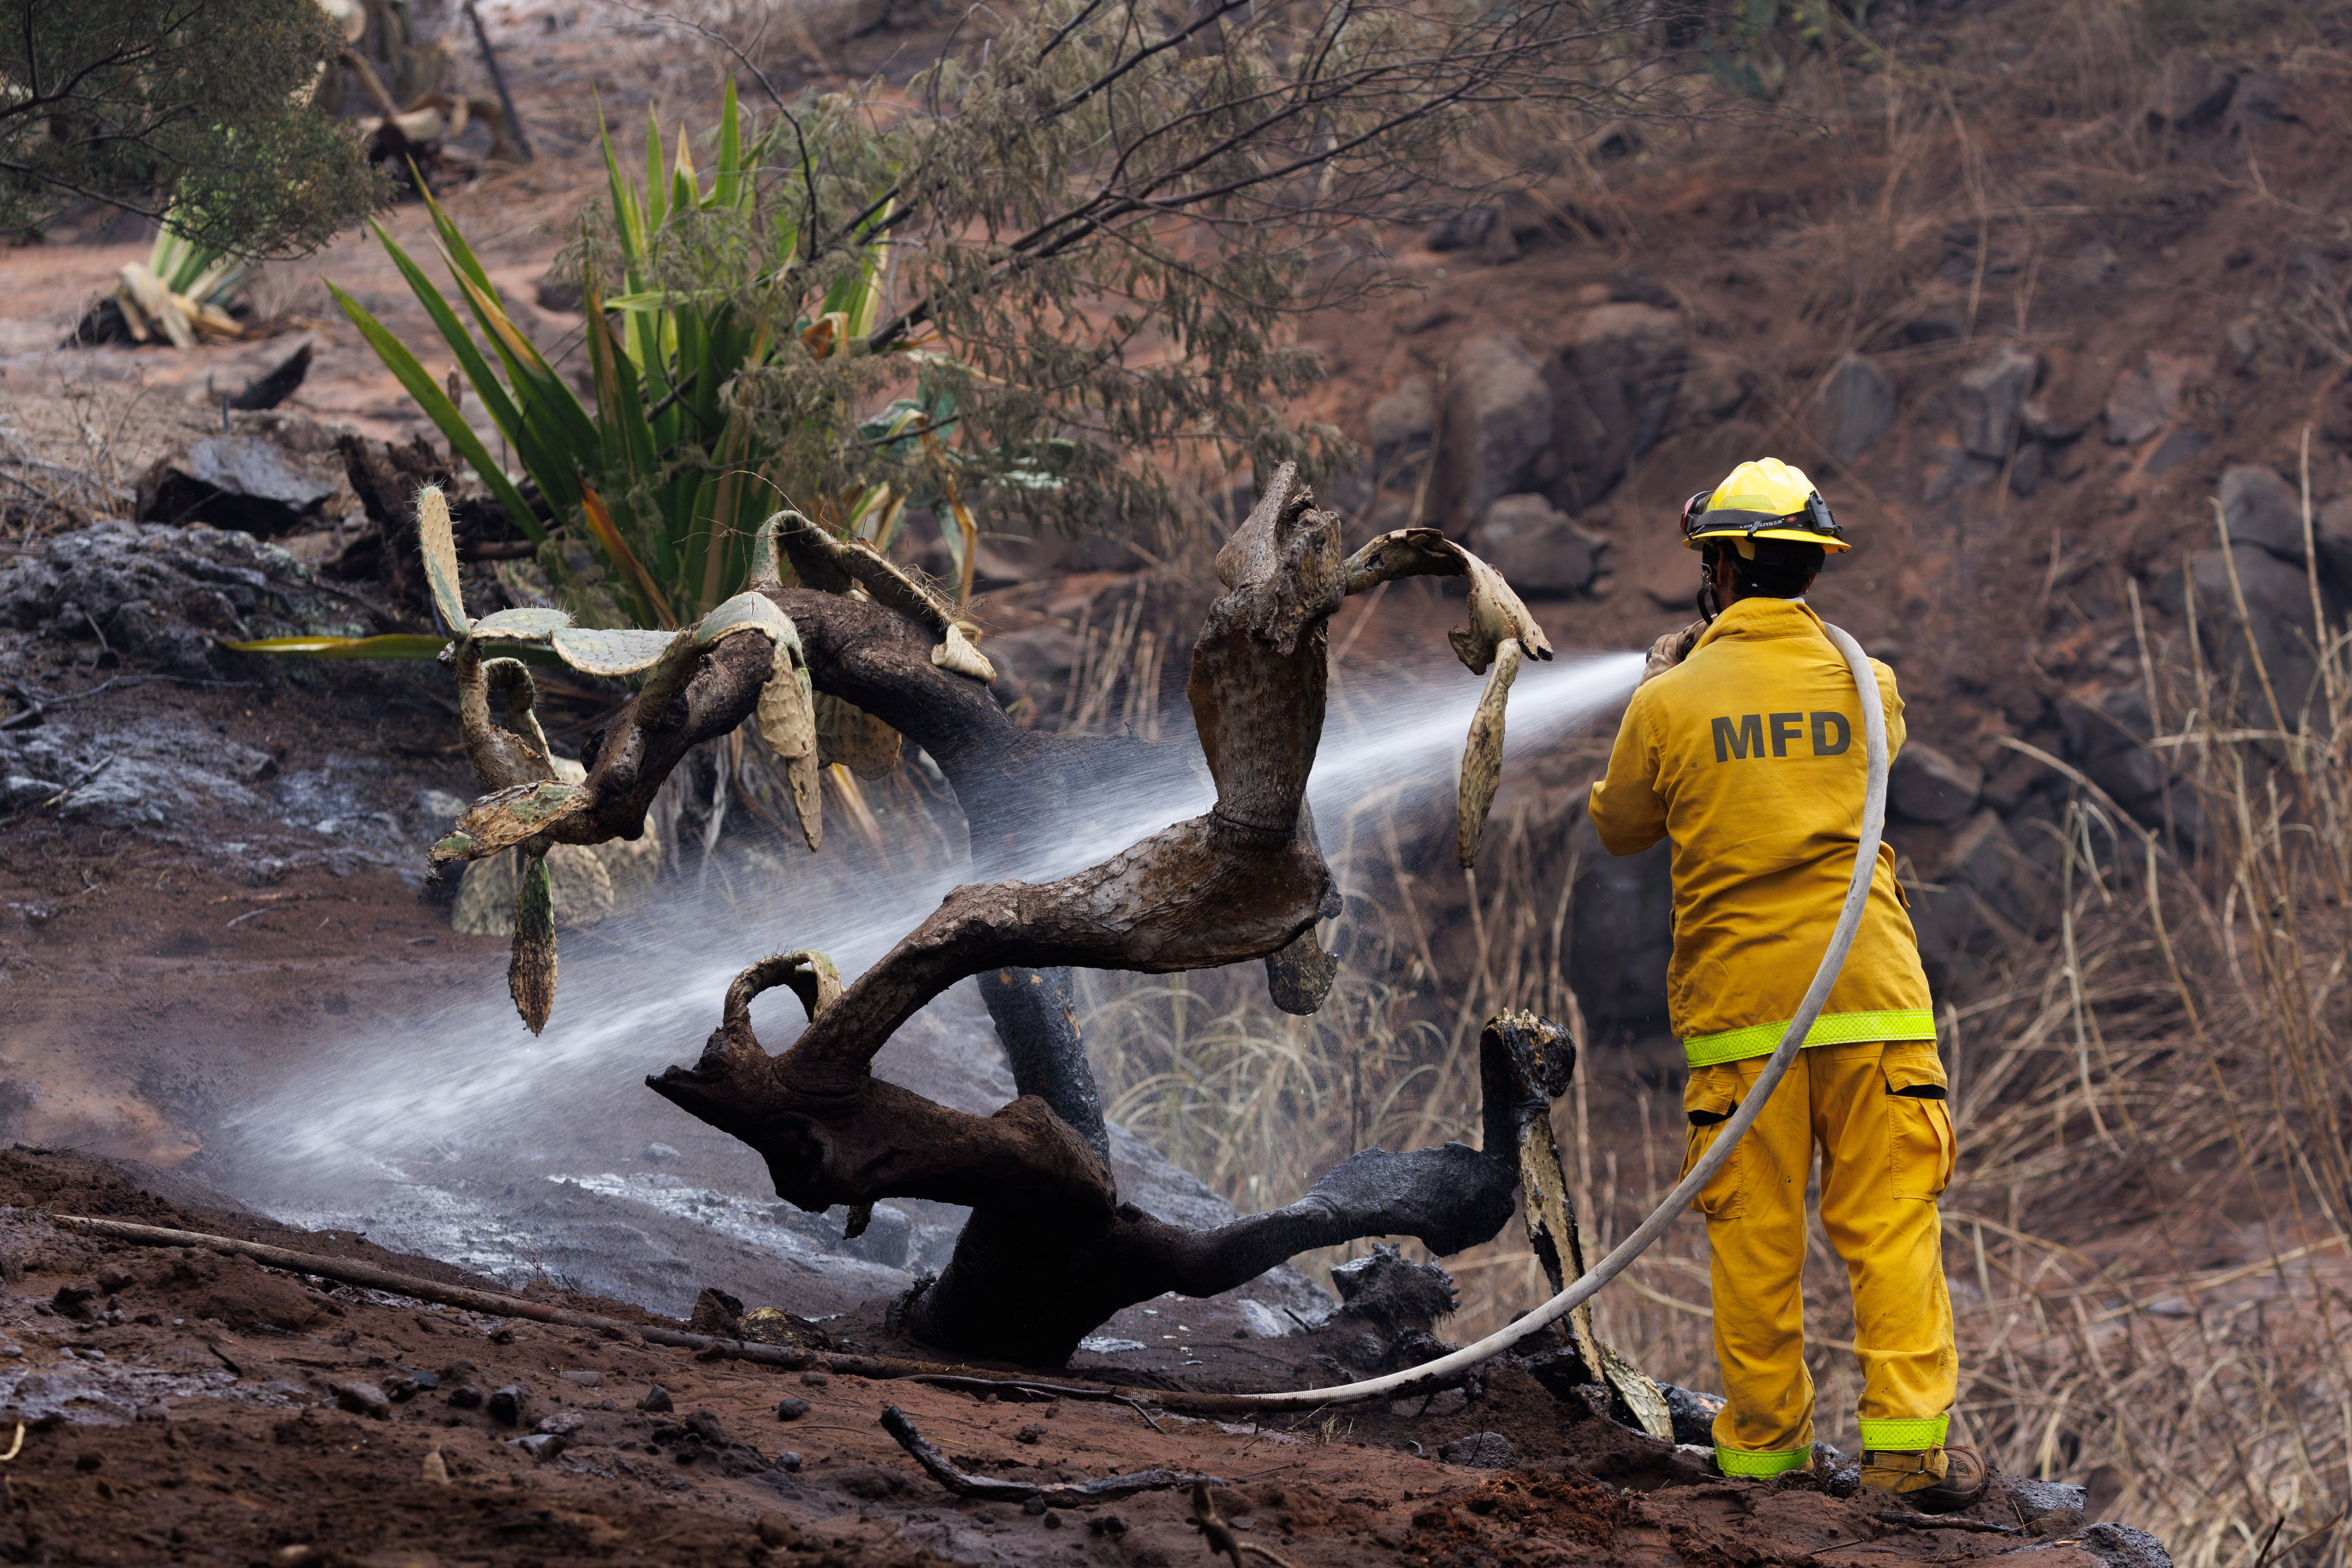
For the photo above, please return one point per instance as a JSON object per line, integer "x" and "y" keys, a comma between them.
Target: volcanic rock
{"x": 1537, "y": 549}
{"x": 363, "y": 1399}
{"x": 1621, "y": 919}
{"x": 1926, "y": 786}
{"x": 1612, "y": 387}
{"x": 2277, "y": 616}
{"x": 1466, "y": 230}
{"x": 1857, "y": 409}
{"x": 162, "y": 595}
{"x": 239, "y": 482}
{"x": 1484, "y": 1451}
{"x": 2146, "y": 397}
{"x": 2331, "y": 531}
{"x": 2188, "y": 91}
{"x": 1991, "y": 396}
{"x": 2260, "y": 508}
{"x": 1398, "y": 428}
{"x": 1497, "y": 417}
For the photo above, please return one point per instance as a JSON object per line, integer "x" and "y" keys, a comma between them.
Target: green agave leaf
{"x": 526, "y": 625}
{"x": 420, "y": 385}
{"x": 624, "y": 652}
{"x": 397, "y": 644}
{"x": 728, "y": 185}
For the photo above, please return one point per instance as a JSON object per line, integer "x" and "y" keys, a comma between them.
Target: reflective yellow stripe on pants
{"x": 1886, "y": 1155}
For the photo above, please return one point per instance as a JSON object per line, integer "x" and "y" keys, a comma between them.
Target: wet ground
{"x": 186, "y": 1407}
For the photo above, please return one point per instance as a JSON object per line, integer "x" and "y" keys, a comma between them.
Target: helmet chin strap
{"x": 1709, "y": 605}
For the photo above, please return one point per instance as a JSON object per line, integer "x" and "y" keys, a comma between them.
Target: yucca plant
{"x": 665, "y": 471}
{"x": 184, "y": 287}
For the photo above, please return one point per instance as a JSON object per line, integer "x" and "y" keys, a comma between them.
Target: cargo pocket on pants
{"x": 1921, "y": 1147}
{"x": 1709, "y": 1100}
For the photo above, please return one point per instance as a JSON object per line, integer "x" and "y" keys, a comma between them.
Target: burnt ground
{"x": 184, "y": 1407}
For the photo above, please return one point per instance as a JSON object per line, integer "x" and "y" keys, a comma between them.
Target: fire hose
{"x": 1583, "y": 1289}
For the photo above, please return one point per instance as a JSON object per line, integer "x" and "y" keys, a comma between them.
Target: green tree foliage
{"x": 201, "y": 105}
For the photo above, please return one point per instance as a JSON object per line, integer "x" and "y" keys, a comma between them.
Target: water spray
{"x": 1574, "y": 1295}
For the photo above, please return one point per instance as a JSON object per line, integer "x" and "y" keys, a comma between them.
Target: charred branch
{"x": 1105, "y": 1489}
{"x": 1049, "y": 1251}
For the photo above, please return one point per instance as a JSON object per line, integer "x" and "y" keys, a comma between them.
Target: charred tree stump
{"x": 1050, "y": 1251}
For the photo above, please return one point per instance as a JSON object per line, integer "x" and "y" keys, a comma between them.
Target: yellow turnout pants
{"x": 1878, "y": 1115}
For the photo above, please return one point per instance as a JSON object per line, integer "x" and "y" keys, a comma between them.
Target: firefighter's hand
{"x": 1671, "y": 650}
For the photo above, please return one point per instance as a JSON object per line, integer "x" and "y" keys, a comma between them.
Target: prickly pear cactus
{"x": 529, "y": 795}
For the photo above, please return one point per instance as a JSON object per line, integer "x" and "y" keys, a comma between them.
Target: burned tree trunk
{"x": 1050, "y": 1251}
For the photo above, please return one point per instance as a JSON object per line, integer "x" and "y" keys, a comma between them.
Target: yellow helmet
{"x": 1765, "y": 499}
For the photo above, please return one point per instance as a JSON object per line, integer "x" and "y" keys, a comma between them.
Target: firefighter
{"x": 1743, "y": 747}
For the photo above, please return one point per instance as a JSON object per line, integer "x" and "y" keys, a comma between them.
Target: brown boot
{"x": 1938, "y": 1480}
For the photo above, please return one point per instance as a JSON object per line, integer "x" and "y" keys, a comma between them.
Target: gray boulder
{"x": 2331, "y": 531}
{"x": 1985, "y": 858}
{"x": 2277, "y": 622}
{"x": 1399, "y": 428}
{"x": 148, "y": 775}
{"x": 232, "y": 481}
{"x": 1480, "y": 1450}
{"x": 2260, "y": 508}
{"x": 2107, "y": 736}
{"x": 1612, "y": 388}
{"x": 2125, "y": 1546}
{"x": 1926, "y": 786}
{"x": 1496, "y": 416}
{"x": 1986, "y": 898}
{"x": 1857, "y": 409}
{"x": 2188, "y": 91}
{"x": 1991, "y": 397}
{"x": 1537, "y": 549}
{"x": 1466, "y": 230}
{"x": 2146, "y": 397}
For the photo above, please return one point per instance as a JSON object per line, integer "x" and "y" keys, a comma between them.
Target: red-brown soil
{"x": 195, "y": 1413}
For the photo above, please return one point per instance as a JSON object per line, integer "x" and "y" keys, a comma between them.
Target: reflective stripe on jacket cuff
{"x": 1829, "y": 1029}
{"x": 1907, "y": 1434}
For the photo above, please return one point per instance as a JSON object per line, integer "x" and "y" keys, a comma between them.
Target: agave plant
{"x": 662, "y": 472}
{"x": 182, "y": 291}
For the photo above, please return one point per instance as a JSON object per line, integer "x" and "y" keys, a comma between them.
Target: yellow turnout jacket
{"x": 1749, "y": 756}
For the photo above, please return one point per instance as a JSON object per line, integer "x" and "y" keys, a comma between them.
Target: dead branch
{"x": 1106, "y": 1489}
{"x": 1928, "y": 1522}
{"x": 1049, "y": 1251}
{"x": 1220, "y": 1535}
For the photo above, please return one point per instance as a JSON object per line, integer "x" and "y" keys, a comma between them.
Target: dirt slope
{"x": 184, "y": 1407}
